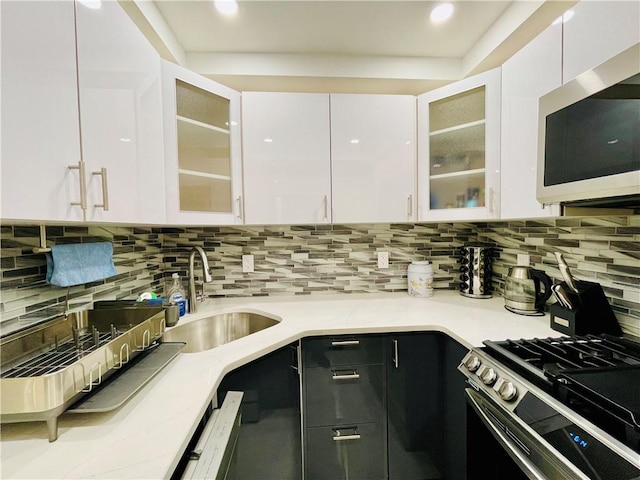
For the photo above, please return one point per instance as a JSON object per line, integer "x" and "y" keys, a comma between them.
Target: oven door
{"x": 499, "y": 445}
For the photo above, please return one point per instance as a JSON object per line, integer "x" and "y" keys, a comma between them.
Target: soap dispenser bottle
{"x": 176, "y": 294}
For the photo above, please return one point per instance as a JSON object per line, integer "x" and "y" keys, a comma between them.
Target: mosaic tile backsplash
{"x": 320, "y": 259}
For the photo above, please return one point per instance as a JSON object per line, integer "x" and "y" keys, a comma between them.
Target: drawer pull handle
{"x": 343, "y": 343}
{"x": 348, "y": 376}
{"x": 342, "y": 438}
{"x": 339, "y": 437}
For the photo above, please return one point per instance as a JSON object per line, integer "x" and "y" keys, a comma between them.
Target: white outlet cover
{"x": 247, "y": 263}
{"x": 383, "y": 259}
{"x": 523, "y": 259}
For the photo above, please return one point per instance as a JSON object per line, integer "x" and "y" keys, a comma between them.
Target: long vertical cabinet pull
{"x": 239, "y": 208}
{"x": 491, "y": 199}
{"x": 326, "y": 208}
{"x": 410, "y": 207}
{"x": 105, "y": 190}
{"x": 396, "y": 361}
{"x": 83, "y": 187}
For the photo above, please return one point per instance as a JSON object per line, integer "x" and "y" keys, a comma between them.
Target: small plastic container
{"x": 176, "y": 294}
{"x": 420, "y": 279}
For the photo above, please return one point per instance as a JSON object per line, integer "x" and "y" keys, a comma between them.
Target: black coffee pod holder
{"x": 591, "y": 312}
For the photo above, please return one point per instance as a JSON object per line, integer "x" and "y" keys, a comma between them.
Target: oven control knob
{"x": 487, "y": 374}
{"x": 472, "y": 363}
{"x": 506, "y": 389}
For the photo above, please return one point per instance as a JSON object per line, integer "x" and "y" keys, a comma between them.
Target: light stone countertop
{"x": 146, "y": 437}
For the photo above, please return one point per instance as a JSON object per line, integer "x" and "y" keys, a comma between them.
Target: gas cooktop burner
{"x": 596, "y": 376}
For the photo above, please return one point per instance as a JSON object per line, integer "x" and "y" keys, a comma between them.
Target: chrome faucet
{"x": 193, "y": 298}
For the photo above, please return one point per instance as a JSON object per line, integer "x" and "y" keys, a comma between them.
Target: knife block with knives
{"x": 590, "y": 312}
{"x": 582, "y": 306}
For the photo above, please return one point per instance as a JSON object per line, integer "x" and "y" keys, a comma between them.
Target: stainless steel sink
{"x": 216, "y": 330}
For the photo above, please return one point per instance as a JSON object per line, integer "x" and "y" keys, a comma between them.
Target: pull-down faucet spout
{"x": 193, "y": 298}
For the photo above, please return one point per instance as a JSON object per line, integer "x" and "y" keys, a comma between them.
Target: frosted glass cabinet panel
{"x": 202, "y": 144}
{"x": 458, "y": 149}
{"x": 204, "y": 150}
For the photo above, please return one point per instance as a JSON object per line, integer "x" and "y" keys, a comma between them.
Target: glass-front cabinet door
{"x": 203, "y": 165}
{"x": 458, "y": 151}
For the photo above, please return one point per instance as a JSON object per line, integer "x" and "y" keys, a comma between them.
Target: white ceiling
{"x": 340, "y": 46}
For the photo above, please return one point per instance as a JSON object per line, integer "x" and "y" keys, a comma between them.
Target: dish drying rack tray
{"x": 49, "y": 367}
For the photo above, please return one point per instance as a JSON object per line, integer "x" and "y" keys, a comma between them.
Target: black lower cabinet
{"x": 269, "y": 443}
{"x": 416, "y": 423}
{"x": 426, "y": 408}
{"x": 384, "y": 407}
{"x": 344, "y": 409}
{"x": 374, "y": 407}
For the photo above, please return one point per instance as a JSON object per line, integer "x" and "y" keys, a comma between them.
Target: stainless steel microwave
{"x": 589, "y": 135}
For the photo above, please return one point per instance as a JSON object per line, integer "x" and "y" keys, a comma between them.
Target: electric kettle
{"x": 526, "y": 290}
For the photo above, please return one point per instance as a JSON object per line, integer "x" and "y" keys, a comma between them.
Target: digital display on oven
{"x": 578, "y": 439}
{"x": 581, "y": 449}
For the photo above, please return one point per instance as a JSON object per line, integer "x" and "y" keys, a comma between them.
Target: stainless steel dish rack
{"x": 49, "y": 367}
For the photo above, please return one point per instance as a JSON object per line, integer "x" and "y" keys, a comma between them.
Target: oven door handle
{"x": 514, "y": 447}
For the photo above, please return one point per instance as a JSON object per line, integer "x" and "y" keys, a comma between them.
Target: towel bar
{"x": 43, "y": 241}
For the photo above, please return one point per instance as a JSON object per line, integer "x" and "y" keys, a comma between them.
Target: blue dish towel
{"x": 80, "y": 263}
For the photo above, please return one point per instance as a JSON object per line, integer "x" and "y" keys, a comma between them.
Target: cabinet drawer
{"x": 344, "y": 394}
{"x": 342, "y": 350}
{"x": 354, "y": 451}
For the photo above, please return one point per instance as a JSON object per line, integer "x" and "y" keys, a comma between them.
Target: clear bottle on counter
{"x": 420, "y": 279}
{"x": 176, "y": 294}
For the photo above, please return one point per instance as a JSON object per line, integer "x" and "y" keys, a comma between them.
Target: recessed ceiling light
{"x": 226, "y": 7}
{"x": 564, "y": 18}
{"x": 442, "y": 12}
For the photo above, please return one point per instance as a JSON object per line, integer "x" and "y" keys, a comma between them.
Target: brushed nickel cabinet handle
{"x": 410, "y": 206}
{"x": 396, "y": 362}
{"x": 83, "y": 185}
{"x": 105, "y": 190}
{"x": 339, "y": 437}
{"x": 326, "y": 208}
{"x": 342, "y": 343}
{"x": 348, "y": 376}
{"x": 239, "y": 207}
{"x": 491, "y": 199}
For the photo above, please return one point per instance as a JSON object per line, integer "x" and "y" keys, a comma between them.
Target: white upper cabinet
{"x": 529, "y": 74}
{"x": 40, "y": 134}
{"x": 203, "y": 162}
{"x": 286, "y": 158}
{"x": 459, "y": 150}
{"x": 91, "y": 154}
{"x": 598, "y": 31}
{"x": 120, "y": 117}
{"x": 373, "y": 158}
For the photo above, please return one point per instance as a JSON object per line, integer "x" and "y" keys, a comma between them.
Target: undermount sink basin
{"x": 210, "y": 332}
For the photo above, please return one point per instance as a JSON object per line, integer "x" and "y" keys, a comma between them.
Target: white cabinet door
{"x": 40, "y": 135}
{"x": 529, "y": 74}
{"x": 120, "y": 117}
{"x": 286, "y": 157}
{"x": 598, "y": 31}
{"x": 203, "y": 163}
{"x": 459, "y": 150}
{"x": 373, "y": 157}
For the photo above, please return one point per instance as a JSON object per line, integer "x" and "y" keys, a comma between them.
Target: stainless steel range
{"x": 558, "y": 408}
